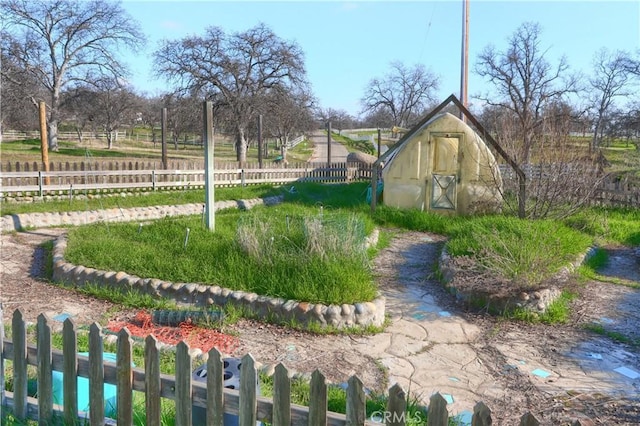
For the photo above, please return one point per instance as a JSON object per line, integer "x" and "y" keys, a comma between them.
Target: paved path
{"x": 338, "y": 151}
{"x": 433, "y": 345}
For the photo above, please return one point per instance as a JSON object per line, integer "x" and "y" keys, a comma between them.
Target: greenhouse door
{"x": 443, "y": 179}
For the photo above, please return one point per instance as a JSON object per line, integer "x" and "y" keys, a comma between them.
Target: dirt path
{"x": 432, "y": 343}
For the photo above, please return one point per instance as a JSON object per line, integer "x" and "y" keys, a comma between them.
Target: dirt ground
{"x": 22, "y": 286}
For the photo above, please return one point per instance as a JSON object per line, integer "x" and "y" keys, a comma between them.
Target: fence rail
{"x": 97, "y": 177}
{"x": 189, "y": 395}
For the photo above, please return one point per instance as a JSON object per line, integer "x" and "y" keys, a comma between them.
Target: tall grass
{"x": 525, "y": 251}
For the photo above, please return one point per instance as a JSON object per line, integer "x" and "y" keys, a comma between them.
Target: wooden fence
{"x": 29, "y": 178}
{"x": 188, "y": 394}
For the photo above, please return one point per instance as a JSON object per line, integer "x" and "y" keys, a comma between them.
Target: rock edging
{"x": 537, "y": 300}
{"x": 17, "y": 222}
{"x": 306, "y": 314}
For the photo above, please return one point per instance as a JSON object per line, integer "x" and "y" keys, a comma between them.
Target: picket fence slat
{"x": 215, "y": 395}
{"x": 188, "y": 394}
{"x": 70, "y": 368}
{"x": 19, "y": 332}
{"x": 152, "y": 381}
{"x": 397, "y": 403}
{"x": 124, "y": 392}
{"x": 317, "y": 399}
{"x": 248, "y": 396}
{"x": 45, "y": 382}
{"x": 96, "y": 375}
{"x": 281, "y": 396}
{"x": 183, "y": 384}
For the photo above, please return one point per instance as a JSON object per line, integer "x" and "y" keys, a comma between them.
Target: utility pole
{"x": 464, "y": 60}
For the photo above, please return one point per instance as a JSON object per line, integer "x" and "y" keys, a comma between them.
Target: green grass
{"x": 282, "y": 266}
{"x": 353, "y": 145}
{"x": 558, "y": 312}
{"x": 613, "y": 335}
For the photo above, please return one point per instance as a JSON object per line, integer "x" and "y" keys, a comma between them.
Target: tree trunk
{"x": 52, "y": 129}
{"x": 241, "y": 146}
{"x": 109, "y": 139}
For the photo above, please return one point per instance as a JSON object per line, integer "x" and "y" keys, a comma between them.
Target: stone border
{"x": 304, "y": 313}
{"x": 537, "y": 300}
{"x": 17, "y": 222}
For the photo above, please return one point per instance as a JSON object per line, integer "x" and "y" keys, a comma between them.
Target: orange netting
{"x": 196, "y": 337}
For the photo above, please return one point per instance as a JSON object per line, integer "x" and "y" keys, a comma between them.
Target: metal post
{"x": 260, "y": 141}
{"x": 379, "y": 141}
{"x": 207, "y": 139}
{"x": 374, "y": 186}
{"x": 165, "y": 163}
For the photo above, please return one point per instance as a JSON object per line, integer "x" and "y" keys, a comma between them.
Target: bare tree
{"x": 115, "y": 105}
{"x": 17, "y": 91}
{"x": 236, "y": 69}
{"x": 287, "y": 114}
{"x": 403, "y": 92}
{"x": 524, "y": 82}
{"x": 339, "y": 118}
{"x": 63, "y": 42}
{"x": 612, "y": 77}
{"x": 562, "y": 179}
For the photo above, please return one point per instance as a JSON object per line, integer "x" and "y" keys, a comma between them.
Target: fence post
{"x": 40, "y": 183}
{"x": 242, "y": 177}
{"x": 153, "y": 180}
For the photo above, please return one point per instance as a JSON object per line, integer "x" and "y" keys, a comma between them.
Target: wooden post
{"x": 379, "y": 141}
{"x": 260, "y": 141}
{"x": 42, "y": 107}
{"x": 207, "y": 139}
{"x": 165, "y": 163}
{"x": 374, "y": 186}
{"x": 329, "y": 144}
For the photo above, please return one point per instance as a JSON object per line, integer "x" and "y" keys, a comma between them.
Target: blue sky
{"x": 346, "y": 44}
